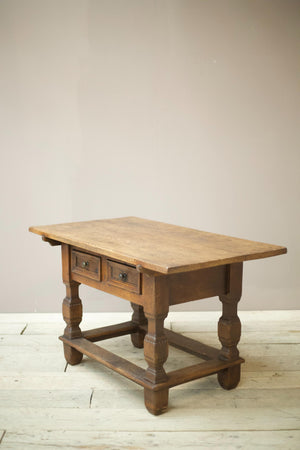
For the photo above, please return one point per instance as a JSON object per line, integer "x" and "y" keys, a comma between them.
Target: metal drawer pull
{"x": 85, "y": 263}
{"x": 123, "y": 276}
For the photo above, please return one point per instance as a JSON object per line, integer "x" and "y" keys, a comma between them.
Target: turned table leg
{"x": 156, "y": 344}
{"x": 72, "y": 310}
{"x": 156, "y": 354}
{"x": 229, "y": 328}
{"x": 138, "y": 318}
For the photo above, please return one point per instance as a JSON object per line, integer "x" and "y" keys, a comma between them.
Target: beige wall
{"x": 183, "y": 111}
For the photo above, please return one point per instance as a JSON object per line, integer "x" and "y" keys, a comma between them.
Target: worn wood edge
{"x": 278, "y": 250}
{"x": 234, "y": 259}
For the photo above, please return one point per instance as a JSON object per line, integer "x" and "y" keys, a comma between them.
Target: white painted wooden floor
{"x": 46, "y": 405}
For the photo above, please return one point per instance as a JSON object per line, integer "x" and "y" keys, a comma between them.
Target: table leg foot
{"x": 229, "y": 378}
{"x": 72, "y": 355}
{"x": 137, "y": 339}
{"x": 156, "y": 401}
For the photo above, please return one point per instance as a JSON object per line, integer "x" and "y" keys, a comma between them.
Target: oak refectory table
{"x": 153, "y": 265}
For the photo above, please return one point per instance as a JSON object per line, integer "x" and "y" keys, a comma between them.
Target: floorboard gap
{"x": 91, "y": 397}
{"x": 24, "y": 328}
{"x": 3, "y": 434}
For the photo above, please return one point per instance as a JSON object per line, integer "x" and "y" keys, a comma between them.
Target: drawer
{"x": 123, "y": 276}
{"x": 87, "y": 265}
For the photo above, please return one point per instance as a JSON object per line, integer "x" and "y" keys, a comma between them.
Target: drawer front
{"x": 87, "y": 265}
{"x": 123, "y": 276}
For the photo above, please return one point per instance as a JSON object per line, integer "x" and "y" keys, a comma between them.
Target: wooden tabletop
{"x": 157, "y": 246}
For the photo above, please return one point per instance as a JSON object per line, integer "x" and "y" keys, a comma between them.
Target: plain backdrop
{"x": 183, "y": 111}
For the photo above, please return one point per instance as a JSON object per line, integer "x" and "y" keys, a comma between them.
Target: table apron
{"x": 183, "y": 287}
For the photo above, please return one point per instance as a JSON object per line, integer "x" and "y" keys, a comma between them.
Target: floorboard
{"x": 46, "y": 404}
{"x": 164, "y": 440}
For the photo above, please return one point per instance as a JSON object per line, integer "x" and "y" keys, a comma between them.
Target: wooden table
{"x": 153, "y": 265}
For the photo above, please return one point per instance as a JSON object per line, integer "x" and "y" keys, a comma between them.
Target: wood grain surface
{"x": 155, "y": 245}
